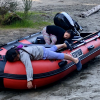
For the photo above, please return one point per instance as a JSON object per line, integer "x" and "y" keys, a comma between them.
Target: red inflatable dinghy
{"x": 13, "y": 75}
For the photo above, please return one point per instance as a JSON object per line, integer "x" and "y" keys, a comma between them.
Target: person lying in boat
{"x": 26, "y": 54}
{"x": 53, "y": 34}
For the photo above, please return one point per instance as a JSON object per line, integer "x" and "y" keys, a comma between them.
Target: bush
{"x": 27, "y": 6}
{"x": 6, "y": 7}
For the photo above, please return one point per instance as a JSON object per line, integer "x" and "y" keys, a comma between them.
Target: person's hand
{"x": 29, "y": 84}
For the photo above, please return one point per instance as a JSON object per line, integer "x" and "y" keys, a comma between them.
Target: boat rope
{"x": 1, "y": 57}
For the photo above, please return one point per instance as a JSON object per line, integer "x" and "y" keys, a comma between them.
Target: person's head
{"x": 12, "y": 55}
{"x": 69, "y": 34}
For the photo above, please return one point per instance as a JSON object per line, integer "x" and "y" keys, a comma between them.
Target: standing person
{"x": 26, "y": 54}
{"x": 53, "y": 34}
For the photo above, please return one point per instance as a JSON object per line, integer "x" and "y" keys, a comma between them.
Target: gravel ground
{"x": 84, "y": 85}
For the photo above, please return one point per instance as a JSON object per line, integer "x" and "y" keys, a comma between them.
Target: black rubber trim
{"x": 90, "y": 53}
{"x": 2, "y": 63}
{"x": 7, "y": 47}
{"x": 26, "y": 38}
{"x": 2, "y": 66}
{"x": 1, "y": 83}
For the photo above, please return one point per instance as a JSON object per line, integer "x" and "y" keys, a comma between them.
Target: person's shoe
{"x": 68, "y": 45}
{"x": 79, "y": 65}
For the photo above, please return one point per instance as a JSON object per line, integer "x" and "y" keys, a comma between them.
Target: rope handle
{"x": 1, "y": 57}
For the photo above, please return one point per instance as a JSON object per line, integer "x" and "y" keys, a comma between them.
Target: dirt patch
{"x": 84, "y": 85}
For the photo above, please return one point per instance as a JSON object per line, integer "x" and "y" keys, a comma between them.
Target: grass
{"x": 34, "y": 20}
{"x": 27, "y": 24}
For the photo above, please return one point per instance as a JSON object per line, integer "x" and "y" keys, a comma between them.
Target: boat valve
{"x": 62, "y": 63}
{"x": 90, "y": 47}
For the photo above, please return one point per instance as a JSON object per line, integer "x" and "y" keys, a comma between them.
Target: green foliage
{"x": 27, "y": 6}
{"x": 24, "y": 20}
{"x": 35, "y": 20}
{"x": 27, "y": 24}
{"x": 12, "y": 6}
{"x": 6, "y": 7}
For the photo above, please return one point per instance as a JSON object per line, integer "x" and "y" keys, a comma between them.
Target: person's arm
{"x": 29, "y": 70}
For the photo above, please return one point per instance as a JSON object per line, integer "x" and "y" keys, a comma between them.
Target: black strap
{"x": 27, "y": 52}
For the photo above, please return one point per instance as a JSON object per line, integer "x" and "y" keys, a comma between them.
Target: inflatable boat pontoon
{"x": 13, "y": 75}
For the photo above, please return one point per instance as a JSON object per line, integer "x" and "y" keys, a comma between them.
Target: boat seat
{"x": 40, "y": 40}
